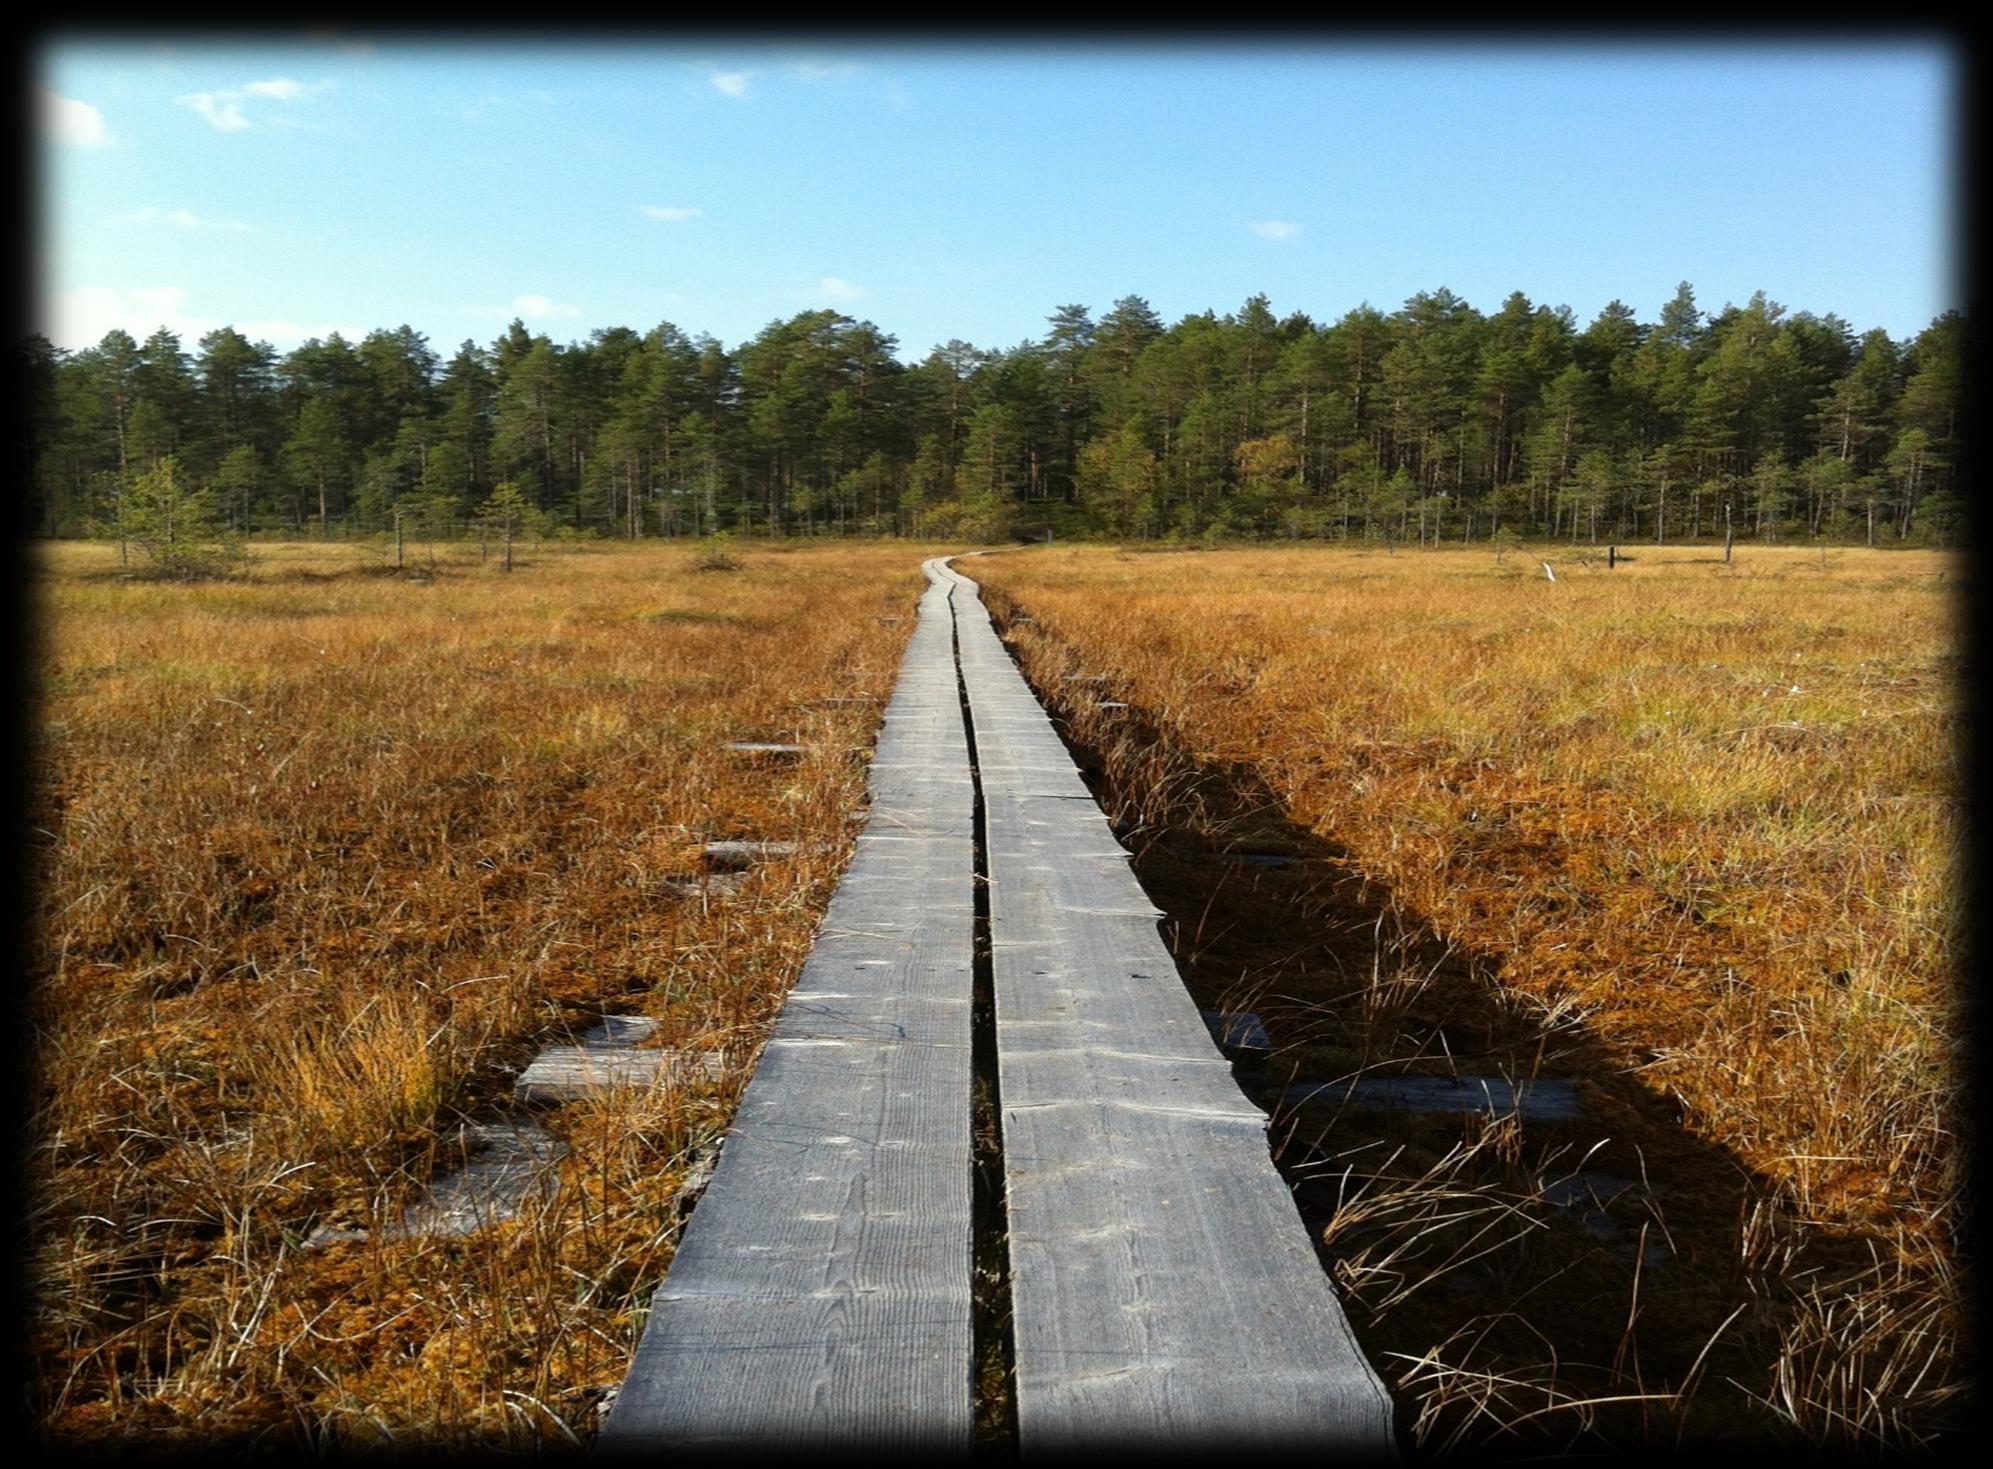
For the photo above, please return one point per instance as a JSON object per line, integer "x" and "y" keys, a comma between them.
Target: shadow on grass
{"x": 1607, "y": 1282}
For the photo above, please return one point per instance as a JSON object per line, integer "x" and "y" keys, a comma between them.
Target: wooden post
{"x": 508, "y": 543}
{"x": 397, "y": 538}
{"x": 1611, "y": 557}
{"x": 483, "y": 542}
{"x": 1726, "y": 531}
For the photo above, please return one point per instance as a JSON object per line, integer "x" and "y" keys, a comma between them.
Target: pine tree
{"x": 174, "y": 522}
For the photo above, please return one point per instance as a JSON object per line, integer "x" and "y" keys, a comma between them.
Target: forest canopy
{"x": 1436, "y": 421}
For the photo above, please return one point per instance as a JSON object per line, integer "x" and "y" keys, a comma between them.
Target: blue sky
{"x": 968, "y": 188}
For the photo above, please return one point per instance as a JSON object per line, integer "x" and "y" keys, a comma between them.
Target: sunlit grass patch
{"x": 324, "y": 857}
{"x": 1712, "y": 808}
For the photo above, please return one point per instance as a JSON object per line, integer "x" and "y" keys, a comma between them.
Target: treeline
{"x": 1433, "y": 422}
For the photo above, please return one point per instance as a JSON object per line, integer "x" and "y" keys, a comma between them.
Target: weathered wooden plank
{"x": 514, "y": 1161}
{"x": 1164, "y": 1290}
{"x": 1544, "y": 1099}
{"x": 564, "y": 1073}
{"x": 705, "y": 885}
{"x": 820, "y": 1294}
{"x": 741, "y": 854}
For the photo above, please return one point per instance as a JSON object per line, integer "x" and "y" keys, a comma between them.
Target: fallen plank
{"x": 510, "y": 1161}
{"x": 1546, "y": 1099}
{"x": 820, "y": 1293}
{"x": 706, "y": 884}
{"x": 742, "y": 854}
{"x": 607, "y": 1058}
{"x": 1164, "y": 1290}
{"x": 515, "y": 1162}
{"x": 564, "y": 1073}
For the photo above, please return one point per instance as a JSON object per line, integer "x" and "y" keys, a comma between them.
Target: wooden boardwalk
{"x": 820, "y": 1293}
{"x": 1163, "y": 1289}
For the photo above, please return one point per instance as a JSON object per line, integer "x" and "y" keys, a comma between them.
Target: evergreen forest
{"x": 1432, "y": 423}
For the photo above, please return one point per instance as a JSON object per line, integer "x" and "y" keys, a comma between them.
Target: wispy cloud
{"x": 79, "y": 318}
{"x": 284, "y": 89}
{"x": 480, "y": 110}
{"x": 669, "y": 215}
{"x": 223, "y": 109}
{"x": 1275, "y": 229}
{"x": 733, "y": 83}
{"x": 839, "y": 290}
{"x": 186, "y": 219}
{"x": 823, "y": 69}
{"x": 538, "y": 306}
{"x": 527, "y": 308}
{"x": 68, "y": 121}
{"x": 166, "y": 300}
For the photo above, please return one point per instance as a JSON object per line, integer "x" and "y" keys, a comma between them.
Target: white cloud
{"x": 69, "y": 121}
{"x": 1275, "y": 229}
{"x": 284, "y": 89}
{"x": 527, "y": 308}
{"x": 733, "y": 83}
{"x": 669, "y": 215}
{"x": 166, "y": 300}
{"x": 79, "y": 318}
{"x": 223, "y": 109}
{"x": 186, "y": 219}
{"x": 839, "y": 290}
{"x": 542, "y": 306}
{"x": 220, "y": 108}
{"x": 820, "y": 69}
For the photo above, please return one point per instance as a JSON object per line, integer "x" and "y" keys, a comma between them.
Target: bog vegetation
{"x": 329, "y": 847}
{"x": 323, "y": 854}
{"x": 1437, "y": 421}
{"x": 1685, "y": 831}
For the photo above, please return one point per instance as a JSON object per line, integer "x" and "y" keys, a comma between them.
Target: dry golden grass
{"x": 325, "y": 855}
{"x": 1703, "y": 817}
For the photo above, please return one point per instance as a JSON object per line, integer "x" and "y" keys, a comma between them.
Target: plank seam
{"x": 993, "y": 1350}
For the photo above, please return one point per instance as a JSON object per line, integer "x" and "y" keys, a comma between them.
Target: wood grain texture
{"x": 1164, "y": 1289}
{"x": 820, "y": 1295}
